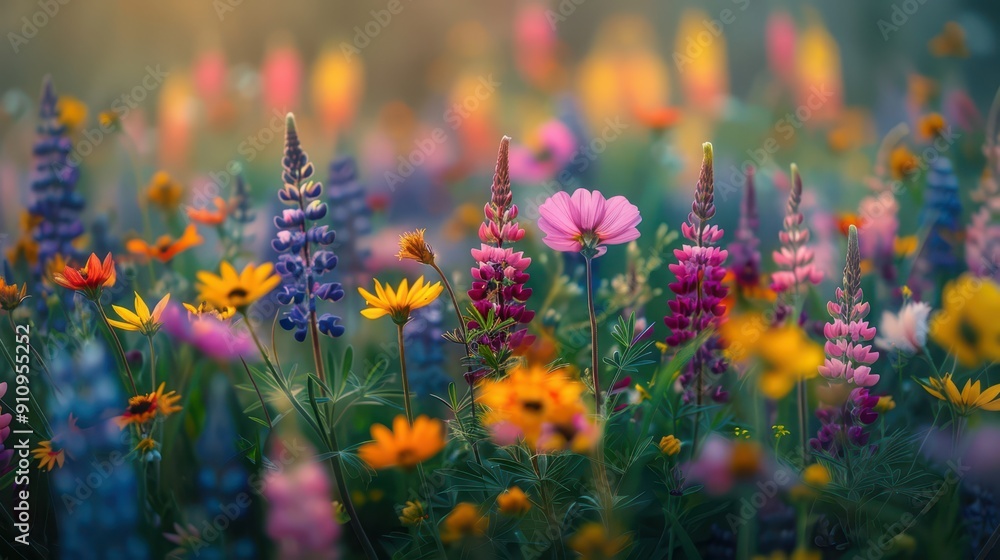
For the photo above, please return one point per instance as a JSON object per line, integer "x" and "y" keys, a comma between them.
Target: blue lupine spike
{"x": 302, "y": 261}
{"x": 54, "y": 197}
{"x": 221, "y": 480}
{"x": 53, "y": 184}
{"x": 941, "y": 213}
{"x": 350, "y": 213}
{"x": 108, "y": 512}
{"x": 425, "y": 350}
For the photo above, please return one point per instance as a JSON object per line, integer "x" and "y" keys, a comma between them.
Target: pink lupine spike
{"x": 794, "y": 258}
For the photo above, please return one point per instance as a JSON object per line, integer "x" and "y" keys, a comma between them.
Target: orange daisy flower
{"x": 207, "y": 216}
{"x": 166, "y": 248}
{"x": 91, "y": 279}
{"x": 48, "y": 457}
{"x": 145, "y": 408}
{"x": 404, "y": 446}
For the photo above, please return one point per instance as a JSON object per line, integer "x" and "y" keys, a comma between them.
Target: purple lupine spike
{"x": 303, "y": 258}
{"x": 795, "y": 258}
{"x": 699, "y": 290}
{"x": 500, "y": 276}
{"x": 744, "y": 251}
{"x": 848, "y": 358}
{"x": 53, "y": 184}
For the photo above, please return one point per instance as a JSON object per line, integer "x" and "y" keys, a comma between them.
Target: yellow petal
{"x": 374, "y": 312}
{"x": 952, "y": 391}
{"x": 127, "y": 315}
{"x": 122, "y": 326}
{"x": 141, "y": 310}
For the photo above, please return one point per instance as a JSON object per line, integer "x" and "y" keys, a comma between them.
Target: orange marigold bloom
{"x": 48, "y": 458}
{"x": 465, "y": 520}
{"x": 413, "y": 246}
{"x": 210, "y": 217}
{"x": 164, "y": 192}
{"x": 10, "y": 296}
{"x": 902, "y": 162}
{"x": 166, "y": 248}
{"x": 931, "y": 126}
{"x": 91, "y": 279}
{"x": 145, "y": 408}
{"x": 404, "y": 446}
{"x": 513, "y": 502}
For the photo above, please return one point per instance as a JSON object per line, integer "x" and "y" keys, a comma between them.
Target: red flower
{"x": 91, "y": 279}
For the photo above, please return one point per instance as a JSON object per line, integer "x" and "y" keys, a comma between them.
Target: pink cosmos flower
{"x": 220, "y": 340}
{"x": 907, "y": 331}
{"x": 301, "y": 518}
{"x": 556, "y": 146}
{"x": 587, "y": 221}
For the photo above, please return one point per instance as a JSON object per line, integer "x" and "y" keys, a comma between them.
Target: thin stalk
{"x": 593, "y": 335}
{"x": 600, "y": 469}
{"x": 345, "y": 495}
{"x": 152, "y": 363}
{"x": 468, "y": 351}
{"x": 550, "y": 512}
{"x": 256, "y": 389}
{"x": 330, "y": 437}
{"x": 803, "y": 425}
{"x": 430, "y": 510}
{"x": 406, "y": 380}
{"x": 118, "y": 344}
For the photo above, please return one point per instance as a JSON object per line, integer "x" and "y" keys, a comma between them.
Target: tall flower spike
{"x": 848, "y": 358}
{"x": 795, "y": 258}
{"x": 744, "y": 250}
{"x": 500, "y": 274}
{"x": 941, "y": 216}
{"x": 350, "y": 214}
{"x": 53, "y": 184}
{"x": 303, "y": 261}
{"x": 110, "y": 514}
{"x": 699, "y": 290}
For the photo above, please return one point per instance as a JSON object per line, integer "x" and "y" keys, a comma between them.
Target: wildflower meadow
{"x": 517, "y": 280}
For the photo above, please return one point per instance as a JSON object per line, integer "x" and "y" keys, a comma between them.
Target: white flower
{"x": 906, "y": 332}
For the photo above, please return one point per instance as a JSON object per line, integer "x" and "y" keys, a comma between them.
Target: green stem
{"x": 330, "y": 436}
{"x": 118, "y": 344}
{"x": 550, "y": 512}
{"x": 600, "y": 469}
{"x": 152, "y": 363}
{"x": 430, "y": 510}
{"x": 406, "y": 380}
{"x": 468, "y": 352}
{"x": 803, "y": 422}
{"x": 593, "y": 335}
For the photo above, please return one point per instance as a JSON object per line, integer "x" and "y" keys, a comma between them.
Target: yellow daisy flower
{"x": 49, "y": 458}
{"x": 400, "y": 302}
{"x": 142, "y": 320}
{"x": 237, "y": 290}
{"x": 970, "y": 399}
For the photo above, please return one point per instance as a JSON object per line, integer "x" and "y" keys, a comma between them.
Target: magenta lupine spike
{"x": 699, "y": 289}
{"x": 848, "y": 359}
{"x": 500, "y": 276}
{"x": 744, "y": 251}
{"x": 795, "y": 258}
